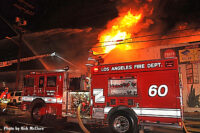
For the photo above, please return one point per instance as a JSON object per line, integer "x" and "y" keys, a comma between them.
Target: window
{"x": 29, "y": 82}
{"x": 41, "y": 82}
{"x": 192, "y": 73}
{"x": 18, "y": 94}
{"x": 122, "y": 87}
{"x": 51, "y": 81}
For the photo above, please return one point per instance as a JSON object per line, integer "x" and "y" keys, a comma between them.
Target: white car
{"x": 16, "y": 97}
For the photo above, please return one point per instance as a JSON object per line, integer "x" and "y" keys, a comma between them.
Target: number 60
{"x": 154, "y": 90}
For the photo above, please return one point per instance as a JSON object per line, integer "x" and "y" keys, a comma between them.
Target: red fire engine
{"x": 137, "y": 93}
{"x": 125, "y": 95}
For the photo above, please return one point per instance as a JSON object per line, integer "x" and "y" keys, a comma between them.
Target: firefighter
{"x": 5, "y": 94}
{"x": 4, "y": 99}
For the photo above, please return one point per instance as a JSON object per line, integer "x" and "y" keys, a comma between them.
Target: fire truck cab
{"x": 137, "y": 93}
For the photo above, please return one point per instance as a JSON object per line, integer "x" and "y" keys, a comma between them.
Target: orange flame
{"x": 119, "y": 31}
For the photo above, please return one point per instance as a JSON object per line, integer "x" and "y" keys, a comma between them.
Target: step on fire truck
{"x": 125, "y": 95}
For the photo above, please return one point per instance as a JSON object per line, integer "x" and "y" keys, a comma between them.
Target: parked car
{"x": 16, "y": 97}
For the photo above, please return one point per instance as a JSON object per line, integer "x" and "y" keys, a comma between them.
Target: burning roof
{"x": 144, "y": 23}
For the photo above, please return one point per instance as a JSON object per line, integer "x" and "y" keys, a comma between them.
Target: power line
{"x": 150, "y": 35}
{"x": 120, "y": 43}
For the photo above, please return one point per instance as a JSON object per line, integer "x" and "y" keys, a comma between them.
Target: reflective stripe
{"x": 27, "y": 98}
{"x": 91, "y": 102}
{"x": 107, "y": 109}
{"x": 99, "y": 97}
{"x": 46, "y": 99}
{"x": 153, "y": 112}
{"x": 49, "y": 100}
{"x": 158, "y": 112}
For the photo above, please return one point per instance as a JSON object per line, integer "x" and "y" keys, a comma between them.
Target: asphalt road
{"x": 17, "y": 121}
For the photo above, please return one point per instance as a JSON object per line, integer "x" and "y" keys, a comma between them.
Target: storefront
{"x": 189, "y": 66}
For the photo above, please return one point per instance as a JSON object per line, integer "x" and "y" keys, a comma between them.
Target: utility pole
{"x": 22, "y": 7}
{"x": 20, "y": 22}
{"x": 18, "y": 61}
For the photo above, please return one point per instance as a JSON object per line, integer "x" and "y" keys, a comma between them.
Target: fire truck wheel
{"x": 36, "y": 113}
{"x": 122, "y": 122}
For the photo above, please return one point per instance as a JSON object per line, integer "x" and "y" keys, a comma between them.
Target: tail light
{"x": 180, "y": 124}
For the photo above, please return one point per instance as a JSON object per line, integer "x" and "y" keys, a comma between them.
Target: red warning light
{"x": 96, "y": 69}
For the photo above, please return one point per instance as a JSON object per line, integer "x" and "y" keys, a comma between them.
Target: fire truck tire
{"x": 122, "y": 122}
{"x": 36, "y": 115}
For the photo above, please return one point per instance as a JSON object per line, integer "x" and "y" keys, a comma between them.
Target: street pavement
{"x": 19, "y": 121}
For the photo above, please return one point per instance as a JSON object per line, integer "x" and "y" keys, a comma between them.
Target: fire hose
{"x": 85, "y": 130}
{"x": 185, "y": 129}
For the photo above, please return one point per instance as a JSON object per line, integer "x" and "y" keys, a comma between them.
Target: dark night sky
{"x": 49, "y": 14}
{"x": 62, "y": 25}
